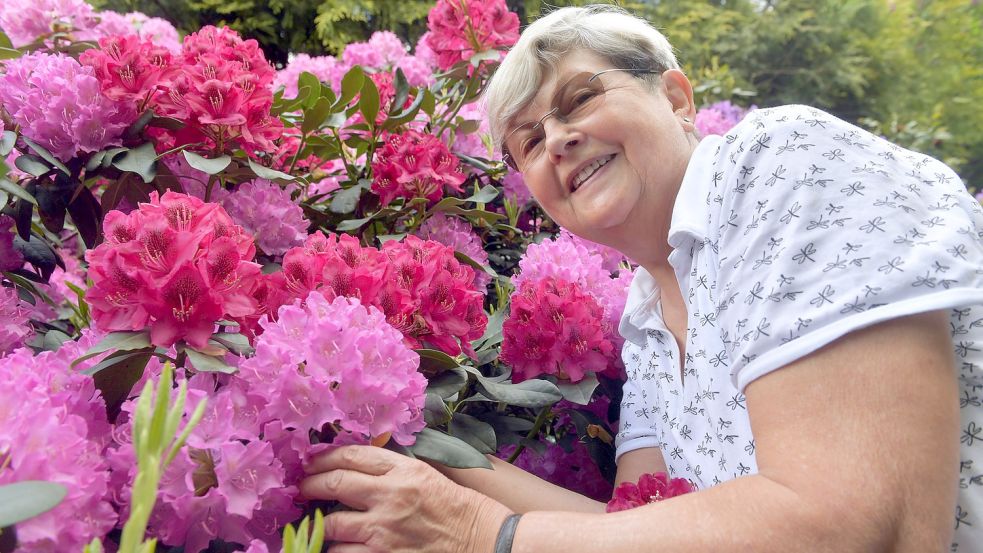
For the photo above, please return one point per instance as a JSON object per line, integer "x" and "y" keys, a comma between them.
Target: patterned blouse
{"x": 788, "y": 233}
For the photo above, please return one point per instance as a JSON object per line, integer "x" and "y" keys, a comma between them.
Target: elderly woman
{"x": 804, "y": 335}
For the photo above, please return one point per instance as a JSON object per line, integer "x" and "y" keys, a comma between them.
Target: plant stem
{"x": 536, "y": 427}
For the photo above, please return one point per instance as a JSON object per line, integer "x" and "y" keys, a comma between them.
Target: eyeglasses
{"x": 572, "y": 101}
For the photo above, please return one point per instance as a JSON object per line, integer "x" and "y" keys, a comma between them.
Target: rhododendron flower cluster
{"x": 459, "y": 29}
{"x": 573, "y": 470}
{"x": 414, "y": 165}
{"x": 322, "y": 67}
{"x": 58, "y": 104}
{"x": 157, "y": 30}
{"x": 719, "y": 118}
{"x": 649, "y": 489}
{"x": 423, "y": 290}
{"x": 24, "y": 21}
{"x": 175, "y": 265}
{"x": 226, "y": 483}
{"x": 10, "y": 258}
{"x": 15, "y": 328}
{"x": 53, "y": 427}
{"x": 453, "y": 232}
{"x": 337, "y": 362}
{"x": 266, "y": 211}
{"x": 129, "y": 68}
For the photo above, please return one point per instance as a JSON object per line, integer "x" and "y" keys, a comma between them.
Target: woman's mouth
{"x": 588, "y": 171}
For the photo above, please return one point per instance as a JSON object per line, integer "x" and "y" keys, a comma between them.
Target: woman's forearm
{"x": 519, "y": 490}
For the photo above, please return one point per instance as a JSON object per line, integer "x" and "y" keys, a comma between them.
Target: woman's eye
{"x": 528, "y": 144}
{"x": 581, "y": 97}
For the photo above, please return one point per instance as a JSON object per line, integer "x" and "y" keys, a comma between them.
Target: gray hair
{"x": 628, "y": 42}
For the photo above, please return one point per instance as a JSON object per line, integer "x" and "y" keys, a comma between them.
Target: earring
{"x": 686, "y": 120}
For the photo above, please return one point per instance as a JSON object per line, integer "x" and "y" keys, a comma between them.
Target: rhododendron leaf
{"x": 169, "y": 123}
{"x": 368, "y": 102}
{"x": 407, "y": 114}
{"x": 115, "y": 376}
{"x": 474, "y": 264}
{"x": 351, "y": 85}
{"x": 39, "y": 253}
{"x": 312, "y": 84}
{"x": 9, "y": 53}
{"x": 578, "y": 392}
{"x": 479, "y": 435}
{"x": 5, "y": 41}
{"x": 487, "y": 55}
{"x": 45, "y": 155}
{"x": 27, "y": 499}
{"x": 434, "y": 445}
{"x": 352, "y": 224}
{"x": 402, "y": 89}
{"x": 493, "y": 331}
{"x": 480, "y": 164}
{"x": 484, "y": 195}
{"x": 32, "y": 164}
{"x": 87, "y": 216}
{"x": 435, "y": 411}
{"x": 141, "y": 160}
{"x": 208, "y": 363}
{"x": 123, "y": 340}
{"x": 293, "y": 104}
{"x": 7, "y": 140}
{"x": 235, "y": 342}
{"x": 141, "y": 123}
{"x": 315, "y": 115}
{"x": 429, "y": 102}
{"x": 16, "y": 190}
{"x": 448, "y": 383}
{"x": 434, "y": 361}
{"x": 211, "y": 166}
{"x": 95, "y": 160}
{"x": 267, "y": 173}
{"x": 383, "y": 238}
{"x": 468, "y": 126}
{"x": 110, "y": 156}
{"x": 345, "y": 200}
{"x": 528, "y": 393}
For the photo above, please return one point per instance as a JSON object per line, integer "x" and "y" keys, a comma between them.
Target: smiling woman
{"x": 807, "y": 311}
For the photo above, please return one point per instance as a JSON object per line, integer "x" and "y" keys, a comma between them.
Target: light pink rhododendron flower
{"x": 175, "y": 265}
{"x": 15, "y": 325}
{"x": 649, "y": 489}
{"x": 414, "y": 165}
{"x": 266, "y": 211}
{"x": 10, "y": 258}
{"x": 719, "y": 118}
{"x": 25, "y": 21}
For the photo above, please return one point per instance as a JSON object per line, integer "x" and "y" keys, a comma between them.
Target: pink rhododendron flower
{"x": 10, "y": 258}
{"x": 573, "y": 470}
{"x": 418, "y": 72}
{"x": 58, "y": 104}
{"x": 453, "y": 232}
{"x": 175, "y": 265}
{"x": 322, "y": 67}
{"x": 459, "y": 29}
{"x": 128, "y": 68}
{"x": 555, "y": 328}
{"x": 266, "y": 211}
{"x": 414, "y": 165}
{"x": 24, "y": 21}
{"x": 719, "y": 118}
{"x": 15, "y": 326}
{"x": 471, "y": 144}
{"x": 53, "y": 427}
{"x": 339, "y": 362}
{"x": 515, "y": 189}
{"x": 649, "y": 489}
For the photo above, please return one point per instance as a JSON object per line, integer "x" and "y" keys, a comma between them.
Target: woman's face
{"x": 611, "y": 170}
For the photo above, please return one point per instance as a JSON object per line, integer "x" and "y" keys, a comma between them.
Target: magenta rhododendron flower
{"x": 175, "y": 265}
{"x": 58, "y": 104}
{"x": 339, "y": 362}
{"x": 719, "y": 118}
{"x": 459, "y": 29}
{"x": 10, "y": 258}
{"x": 555, "y": 328}
{"x": 414, "y": 165}
{"x": 266, "y": 211}
{"x": 573, "y": 470}
{"x": 53, "y": 427}
{"x": 649, "y": 489}
{"x": 453, "y": 232}
{"x": 128, "y": 68}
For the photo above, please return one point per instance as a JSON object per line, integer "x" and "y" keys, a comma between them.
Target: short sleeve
{"x": 637, "y": 425}
{"x": 824, "y": 228}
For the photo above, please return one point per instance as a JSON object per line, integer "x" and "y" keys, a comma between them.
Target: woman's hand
{"x": 402, "y": 505}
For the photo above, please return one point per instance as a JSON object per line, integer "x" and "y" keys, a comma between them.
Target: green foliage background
{"x": 911, "y": 70}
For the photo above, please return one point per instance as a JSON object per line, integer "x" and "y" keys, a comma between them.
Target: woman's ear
{"x": 679, "y": 92}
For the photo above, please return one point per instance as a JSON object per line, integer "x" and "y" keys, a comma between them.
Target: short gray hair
{"x": 627, "y": 41}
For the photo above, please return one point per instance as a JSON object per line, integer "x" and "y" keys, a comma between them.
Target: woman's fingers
{"x": 350, "y": 527}
{"x": 370, "y": 460}
{"x": 351, "y": 487}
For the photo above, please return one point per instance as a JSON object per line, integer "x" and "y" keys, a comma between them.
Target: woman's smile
{"x": 585, "y": 174}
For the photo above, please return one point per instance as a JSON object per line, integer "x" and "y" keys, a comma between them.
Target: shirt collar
{"x": 641, "y": 307}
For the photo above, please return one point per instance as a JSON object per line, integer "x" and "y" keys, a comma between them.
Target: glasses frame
{"x": 507, "y": 156}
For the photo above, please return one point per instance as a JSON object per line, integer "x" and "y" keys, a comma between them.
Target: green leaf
{"x": 16, "y": 190}
{"x": 352, "y": 224}
{"x": 27, "y": 499}
{"x": 235, "y": 342}
{"x": 436, "y": 446}
{"x": 31, "y": 164}
{"x": 5, "y": 43}
{"x": 479, "y": 435}
{"x": 115, "y": 376}
{"x": 351, "y": 85}
{"x": 87, "y": 216}
{"x": 123, "y": 340}
{"x": 487, "y": 55}
{"x": 315, "y": 116}
{"x": 211, "y": 166}
{"x": 7, "y": 140}
{"x": 9, "y": 53}
{"x": 368, "y": 102}
{"x": 140, "y": 123}
{"x": 463, "y": 258}
{"x": 407, "y": 114}
{"x": 529, "y": 393}
{"x": 313, "y": 85}
{"x": 344, "y": 201}
{"x": 429, "y": 102}
{"x": 45, "y": 155}
{"x": 208, "y": 363}
{"x": 141, "y": 160}
{"x": 448, "y": 383}
{"x": 483, "y": 196}
{"x": 267, "y": 173}
{"x": 402, "y": 88}
{"x": 493, "y": 331}
{"x": 579, "y": 393}
{"x": 435, "y": 360}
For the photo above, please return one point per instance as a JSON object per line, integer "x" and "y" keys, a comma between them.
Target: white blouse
{"x": 788, "y": 233}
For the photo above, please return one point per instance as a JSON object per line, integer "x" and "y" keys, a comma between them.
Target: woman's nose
{"x": 560, "y": 138}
